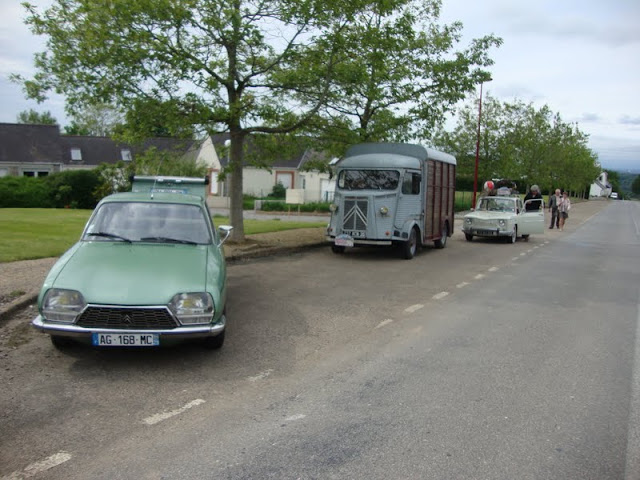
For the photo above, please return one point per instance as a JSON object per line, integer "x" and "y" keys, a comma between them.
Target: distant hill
{"x": 626, "y": 179}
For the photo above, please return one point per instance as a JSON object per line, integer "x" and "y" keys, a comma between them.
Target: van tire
{"x": 442, "y": 241}
{"x": 468, "y": 236}
{"x": 337, "y": 249}
{"x": 410, "y": 247}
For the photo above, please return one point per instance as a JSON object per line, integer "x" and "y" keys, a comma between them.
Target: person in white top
{"x": 564, "y": 205}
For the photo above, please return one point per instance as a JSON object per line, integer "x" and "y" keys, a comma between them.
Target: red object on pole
{"x": 475, "y": 175}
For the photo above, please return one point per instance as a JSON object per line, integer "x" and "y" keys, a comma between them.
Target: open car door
{"x": 531, "y": 221}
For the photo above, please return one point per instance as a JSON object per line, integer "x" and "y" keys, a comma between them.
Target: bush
{"x": 69, "y": 189}
{"x": 24, "y": 192}
{"x": 278, "y": 191}
{"x": 73, "y": 188}
{"x": 312, "y": 207}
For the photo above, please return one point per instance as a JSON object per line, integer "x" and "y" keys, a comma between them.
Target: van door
{"x": 531, "y": 222}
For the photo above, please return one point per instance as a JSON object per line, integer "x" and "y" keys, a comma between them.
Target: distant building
{"x": 600, "y": 187}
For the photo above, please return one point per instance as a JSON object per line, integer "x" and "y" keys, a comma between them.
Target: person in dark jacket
{"x": 553, "y": 208}
{"x": 534, "y": 194}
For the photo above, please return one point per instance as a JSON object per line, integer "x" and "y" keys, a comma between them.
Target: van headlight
{"x": 384, "y": 210}
{"x": 192, "y": 308}
{"x": 468, "y": 221}
{"x": 502, "y": 223}
{"x": 333, "y": 207}
{"x": 62, "y": 305}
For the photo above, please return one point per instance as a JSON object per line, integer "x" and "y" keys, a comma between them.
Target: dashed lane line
{"x": 440, "y": 295}
{"x": 414, "y": 308}
{"x": 159, "y": 417}
{"x": 40, "y": 467}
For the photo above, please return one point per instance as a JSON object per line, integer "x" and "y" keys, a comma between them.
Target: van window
{"x": 368, "y": 179}
{"x": 411, "y": 183}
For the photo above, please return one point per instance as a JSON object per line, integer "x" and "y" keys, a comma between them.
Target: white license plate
{"x": 125, "y": 339}
{"x": 355, "y": 233}
{"x": 343, "y": 241}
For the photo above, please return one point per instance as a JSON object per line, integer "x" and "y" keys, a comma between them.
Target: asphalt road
{"x": 484, "y": 360}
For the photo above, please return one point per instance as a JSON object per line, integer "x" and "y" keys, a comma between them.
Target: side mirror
{"x": 225, "y": 231}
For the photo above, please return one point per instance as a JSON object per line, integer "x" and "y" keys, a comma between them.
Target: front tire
{"x": 525, "y": 237}
{"x": 468, "y": 236}
{"x": 337, "y": 249}
{"x": 514, "y": 235}
{"x": 214, "y": 343}
{"x": 61, "y": 343}
{"x": 410, "y": 247}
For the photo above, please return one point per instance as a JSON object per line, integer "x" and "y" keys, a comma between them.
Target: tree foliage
{"x": 98, "y": 120}
{"x": 519, "y": 141}
{"x": 635, "y": 186}
{"x": 35, "y": 118}
{"x": 180, "y": 67}
{"x": 398, "y": 74}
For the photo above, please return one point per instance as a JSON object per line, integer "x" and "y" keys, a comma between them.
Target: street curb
{"x": 17, "y": 304}
{"x": 262, "y": 252}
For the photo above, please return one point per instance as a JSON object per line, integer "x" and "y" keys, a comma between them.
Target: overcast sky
{"x": 581, "y": 58}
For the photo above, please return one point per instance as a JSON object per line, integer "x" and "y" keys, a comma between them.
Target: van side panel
{"x": 440, "y": 198}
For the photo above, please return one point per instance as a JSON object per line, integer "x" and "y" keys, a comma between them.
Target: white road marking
{"x": 494, "y": 269}
{"x": 632, "y": 467}
{"x": 413, "y": 308}
{"x": 383, "y": 323}
{"x": 461, "y": 285}
{"x": 159, "y": 417}
{"x": 530, "y": 250}
{"x": 261, "y": 376}
{"x": 522, "y": 254}
{"x": 479, "y": 276}
{"x": 536, "y": 247}
{"x": 440, "y": 295}
{"x": 293, "y": 418}
{"x": 515, "y": 258}
{"x": 39, "y": 467}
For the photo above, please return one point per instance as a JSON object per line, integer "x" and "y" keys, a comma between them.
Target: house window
{"x": 125, "y": 154}
{"x": 4, "y": 172}
{"x": 76, "y": 154}
{"x": 34, "y": 173}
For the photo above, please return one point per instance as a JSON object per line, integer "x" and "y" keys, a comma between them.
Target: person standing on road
{"x": 554, "y": 198}
{"x": 564, "y": 205}
{"x": 534, "y": 194}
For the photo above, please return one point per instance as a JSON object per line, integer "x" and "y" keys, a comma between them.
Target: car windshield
{"x": 497, "y": 204}
{"x": 148, "y": 222}
{"x": 368, "y": 179}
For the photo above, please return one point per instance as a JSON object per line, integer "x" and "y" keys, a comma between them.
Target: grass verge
{"x": 30, "y": 233}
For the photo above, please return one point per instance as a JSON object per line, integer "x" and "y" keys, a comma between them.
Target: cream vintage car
{"x": 506, "y": 217}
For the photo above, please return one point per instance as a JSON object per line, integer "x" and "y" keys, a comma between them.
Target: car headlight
{"x": 384, "y": 210}
{"x": 502, "y": 223}
{"x": 333, "y": 207}
{"x": 61, "y": 305}
{"x": 192, "y": 308}
{"x": 468, "y": 221}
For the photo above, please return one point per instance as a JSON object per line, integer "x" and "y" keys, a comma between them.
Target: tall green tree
{"x": 400, "y": 73}
{"x": 226, "y": 65}
{"x": 33, "y": 117}
{"x": 98, "y": 120}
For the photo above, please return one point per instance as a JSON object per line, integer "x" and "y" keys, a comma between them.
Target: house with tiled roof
{"x": 39, "y": 150}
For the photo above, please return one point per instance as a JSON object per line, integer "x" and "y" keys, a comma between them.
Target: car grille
{"x": 127, "y": 318}
{"x": 355, "y": 216}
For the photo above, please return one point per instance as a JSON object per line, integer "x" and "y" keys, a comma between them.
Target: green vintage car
{"x": 149, "y": 269}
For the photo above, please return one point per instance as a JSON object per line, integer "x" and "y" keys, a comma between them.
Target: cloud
{"x": 590, "y": 118}
{"x": 627, "y": 120}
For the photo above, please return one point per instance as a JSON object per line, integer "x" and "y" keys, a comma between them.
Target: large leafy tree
{"x": 635, "y": 186}
{"x": 221, "y": 65}
{"x": 518, "y": 141}
{"x": 36, "y": 118}
{"x": 99, "y": 119}
{"x": 399, "y": 74}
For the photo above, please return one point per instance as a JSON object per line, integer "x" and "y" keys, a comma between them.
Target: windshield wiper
{"x": 108, "y": 235}
{"x": 167, "y": 240}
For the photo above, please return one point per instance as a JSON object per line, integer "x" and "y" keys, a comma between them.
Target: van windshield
{"x": 368, "y": 179}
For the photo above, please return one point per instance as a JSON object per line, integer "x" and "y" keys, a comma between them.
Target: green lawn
{"x": 29, "y": 233}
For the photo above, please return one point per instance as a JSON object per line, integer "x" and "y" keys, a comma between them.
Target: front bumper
{"x": 178, "y": 333}
{"x": 362, "y": 241}
{"x": 487, "y": 231}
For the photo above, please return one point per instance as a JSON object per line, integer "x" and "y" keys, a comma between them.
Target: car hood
{"x": 133, "y": 274}
{"x": 490, "y": 215}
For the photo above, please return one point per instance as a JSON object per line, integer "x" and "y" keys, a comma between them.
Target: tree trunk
{"x": 235, "y": 212}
